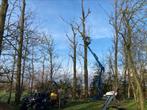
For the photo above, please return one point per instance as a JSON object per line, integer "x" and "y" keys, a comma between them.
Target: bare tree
{"x": 48, "y": 45}
{"x": 12, "y": 75}
{"x": 73, "y": 45}
{"x": 116, "y": 45}
{"x": 130, "y": 24}
{"x": 84, "y": 38}
{"x": 32, "y": 72}
{"x": 43, "y": 71}
{"x": 24, "y": 61}
{"x": 50, "y": 50}
{"x": 19, "y": 58}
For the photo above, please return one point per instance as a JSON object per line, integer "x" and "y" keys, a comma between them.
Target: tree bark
{"x": 129, "y": 84}
{"x": 24, "y": 64}
{"x": 19, "y": 58}
{"x": 3, "y": 11}
{"x": 73, "y": 45}
{"x": 74, "y": 69}
{"x": 42, "y": 75}
{"x": 85, "y": 52}
{"x": 85, "y": 71}
{"x": 32, "y": 74}
{"x": 116, "y": 47}
{"x": 51, "y": 63}
{"x": 12, "y": 78}
{"x": 138, "y": 90}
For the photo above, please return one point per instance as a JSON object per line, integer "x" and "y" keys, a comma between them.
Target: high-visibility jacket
{"x": 53, "y": 96}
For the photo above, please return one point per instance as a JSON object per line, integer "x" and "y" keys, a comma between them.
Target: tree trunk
{"x": 85, "y": 71}
{"x": 136, "y": 83}
{"x": 19, "y": 58}
{"x": 12, "y": 78}
{"x": 3, "y": 11}
{"x": 125, "y": 84}
{"x": 126, "y": 73}
{"x": 32, "y": 75}
{"x": 116, "y": 48}
{"x": 24, "y": 64}
{"x": 74, "y": 68}
{"x": 138, "y": 90}
{"x": 42, "y": 76}
{"x": 85, "y": 52}
{"x": 129, "y": 85}
{"x": 51, "y": 64}
{"x": 143, "y": 84}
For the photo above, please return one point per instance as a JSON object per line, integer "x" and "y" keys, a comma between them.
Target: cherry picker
{"x": 99, "y": 85}
{"x": 98, "y": 80}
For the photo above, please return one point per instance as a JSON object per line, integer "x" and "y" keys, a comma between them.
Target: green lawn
{"x": 82, "y": 105}
{"x": 129, "y": 105}
{"x": 132, "y": 106}
{"x": 4, "y": 96}
{"x": 86, "y": 106}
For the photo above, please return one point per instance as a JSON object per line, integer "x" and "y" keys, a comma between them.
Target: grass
{"x": 94, "y": 105}
{"x": 86, "y": 106}
{"x": 4, "y": 96}
{"x": 79, "y": 105}
{"x": 128, "y": 105}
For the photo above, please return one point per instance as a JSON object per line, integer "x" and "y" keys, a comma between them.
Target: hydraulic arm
{"x": 97, "y": 60}
{"x": 98, "y": 80}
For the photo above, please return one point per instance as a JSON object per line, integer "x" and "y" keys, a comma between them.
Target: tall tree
{"x": 19, "y": 58}
{"x": 48, "y": 46}
{"x": 50, "y": 49}
{"x": 3, "y": 11}
{"x": 24, "y": 61}
{"x": 84, "y": 38}
{"x": 43, "y": 72}
{"x": 85, "y": 52}
{"x": 73, "y": 45}
{"x": 116, "y": 45}
{"x": 12, "y": 74}
{"x": 126, "y": 71}
{"x": 32, "y": 72}
{"x": 116, "y": 25}
{"x": 130, "y": 24}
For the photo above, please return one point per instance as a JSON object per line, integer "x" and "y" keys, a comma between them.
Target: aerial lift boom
{"x": 99, "y": 77}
